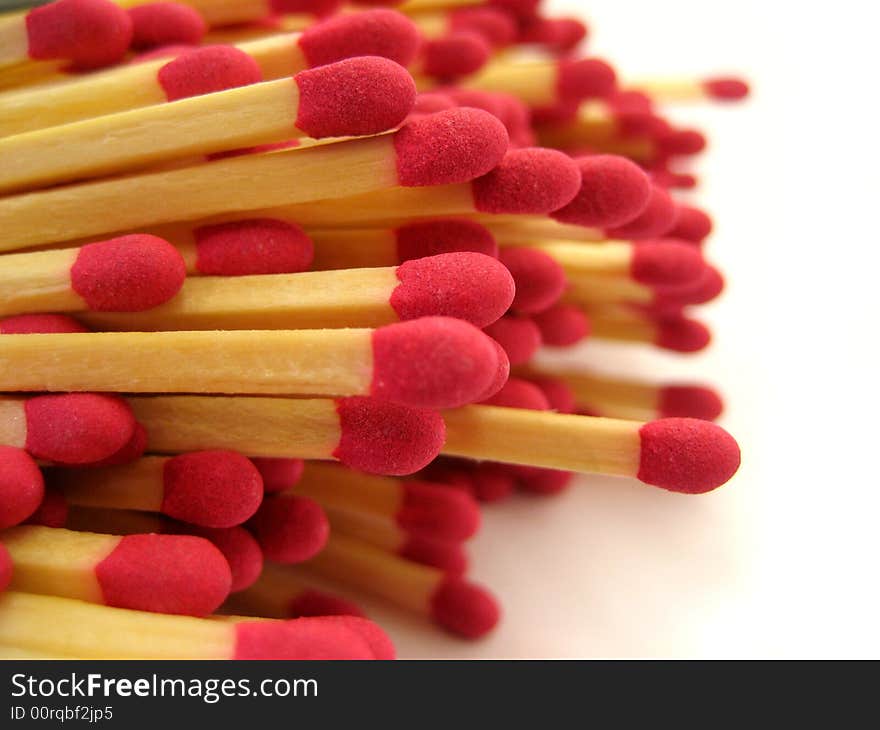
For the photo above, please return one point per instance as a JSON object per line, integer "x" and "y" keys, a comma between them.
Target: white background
{"x": 782, "y": 562}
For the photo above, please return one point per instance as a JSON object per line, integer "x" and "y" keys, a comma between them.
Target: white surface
{"x": 782, "y": 561}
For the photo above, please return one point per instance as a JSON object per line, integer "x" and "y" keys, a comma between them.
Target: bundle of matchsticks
{"x": 274, "y": 276}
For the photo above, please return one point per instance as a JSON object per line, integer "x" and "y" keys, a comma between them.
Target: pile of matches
{"x": 274, "y": 274}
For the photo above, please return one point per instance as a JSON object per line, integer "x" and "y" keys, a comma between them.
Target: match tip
{"x": 165, "y": 23}
{"x": 519, "y": 336}
{"x": 432, "y": 238}
{"x": 692, "y": 224}
{"x": 666, "y": 262}
{"x": 179, "y": 574}
{"x": 319, "y": 603}
{"x": 448, "y": 556}
{"x": 206, "y": 70}
{"x": 562, "y": 325}
{"x": 5, "y": 568}
{"x": 301, "y": 638}
{"x": 684, "y": 142}
{"x": 681, "y": 334}
{"x": 211, "y": 488}
{"x": 21, "y": 486}
{"x": 132, "y": 451}
{"x": 496, "y": 26}
{"x": 656, "y": 219}
{"x": 437, "y": 512}
{"x": 279, "y": 474}
{"x": 686, "y": 455}
{"x": 455, "y": 54}
{"x": 452, "y": 146}
{"x": 464, "y": 608}
{"x": 378, "y": 32}
{"x": 531, "y": 180}
{"x": 40, "y": 324}
{"x": 544, "y": 482}
{"x": 540, "y": 280}
{"x": 377, "y": 640}
{"x": 316, "y": 8}
{"x": 241, "y": 550}
{"x": 87, "y": 33}
{"x": 353, "y": 97}
{"x": 77, "y": 428}
{"x": 127, "y": 274}
{"x": 705, "y": 288}
{"x": 380, "y": 437}
{"x": 491, "y": 482}
{"x": 470, "y": 286}
{"x": 53, "y": 510}
{"x": 559, "y": 395}
{"x": 612, "y": 191}
{"x": 690, "y": 401}
{"x": 432, "y": 362}
{"x": 585, "y": 78}
{"x": 558, "y": 34}
{"x": 290, "y": 529}
{"x": 519, "y": 393}
{"x": 502, "y": 372}
{"x": 726, "y": 88}
{"x": 522, "y": 10}
{"x": 253, "y": 246}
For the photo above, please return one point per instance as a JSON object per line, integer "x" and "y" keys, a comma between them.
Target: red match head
{"x": 518, "y": 335}
{"x": 317, "y": 8}
{"x": 540, "y": 281}
{"x": 685, "y": 142}
{"x": 206, "y": 70}
{"x": 502, "y": 373}
{"x": 87, "y": 33}
{"x": 301, "y": 638}
{"x": 313, "y": 602}
{"x": 165, "y": 574}
{"x": 701, "y": 290}
{"x": 379, "y": 437}
{"x": 656, "y": 219}
{"x": 133, "y": 449}
{"x": 241, "y": 551}
{"x": 496, "y": 26}
{"x": 77, "y": 428}
{"x": 452, "y": 146}
{"x": 531, "y": 180}
{"x": 211, "y": 488}
{"x": 377, "y": 32}
{"x": 127, "y": 274}
{"x": 432, "y": 238}
{"x": 692, "y": 224}
{"x": 353, "y": 97}
{"x": 557, "y": 34}
{"x": 165, "y": 23}
{"x": 585, "y": 78}
{"x": 562, "y": 325}
{"x": 686, "y": 455}
{"x": 254, "y": 246}
{"x": 5, "y": 568}
{"x": 519, "y": 393}
{"x": 666, "y": 262}
{"x": 470, "y": 286}
{"x": 432, "y": 362}
{"x": 448, "y": 556}
{"x": 376, "y": 639}
{"x": 279, "y": 474}
{"x": 690, "y": 401}
{"x": 522, "y": 10}
{"x": 21, "y": 486}
{"x": 464, "y": 608}
{"x": 681, "y": 334}
{"x": 544, "y": 482}
{"x": 434, "y": 511}
{"x": 431, "y": 102}
{"x": 290, "y": 529}
{"x": 52, "y": 511}
{"x": 491, "y": 482}
{"x": 559, "y": 395}
{"x": 34, "y": 324}
{"x": 726, "y": 88}
{"x": 613, "y": 191}
{"x": 458, "y": 53}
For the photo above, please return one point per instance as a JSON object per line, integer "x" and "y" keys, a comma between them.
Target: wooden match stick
{"x": 670, "y": 332}
{"x": 685, "y": 90}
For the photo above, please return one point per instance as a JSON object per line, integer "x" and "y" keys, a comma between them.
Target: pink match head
{"x": 87, "y": 33}
{"x": 451, "y": 472}
{"x": 726, "y": 88}
{"x": 166, "y": 23}
{"x": 254, "y": 246}
{"x": 290, "y": 529}
{"x": 701, "y": 290}
{"x": 585, "y": 78}
{"x": 301, "y": 639}
{"x": 432, "y": 238}
{"x": 540, "y": 281}
{"x": 206, "y": 70}
{"x": 562, "y": 325}
{"x": 312, "y": 602}
{"x": 21, "y": 486}
{"x": 437, "y": 512}
{"x": 681, "y": 142}
{"x": 531, "y": 180}
{"x": 77, "y": 428}
{"x": 519, "y": 393}
{"x": 464, "y": 608}
{"x": 681, "y": 334}
{"x": 5, "y": 568}
{"x": 492, "y": 482}
{"x": 476, "y": 98}
{"x": 452, "y": 146}
{"x": 656, "y": 219}
{"x": 353, "y": 97}
{"x": 379, "y": 642}
{"x": 432, "y": 362}
{"x": 559, "y": 395}
{"x": 666, "y": 262}
{"x": 241, "y": 550}
{"x": 127, "y": 274}
{"x": 519, "y": 336}
{"x": 470, "y": 286}
{"x": 380, "y": 437}
{"x": 132, "y": 451}
{"x": 211, "y": 488}
{"x": 279, "y": 474}
{"x": 613, "y": 191}
{"x": 690, "y": 401}
{"x": 164, "y": 574}
{"x": 448, "y": 556}
{"x": 692, "y": 224}
{"x": 502, "y": 373}
{"x": 317, "y": 8}
{"x": 496, "y": 26}
{"x": 379, "y": 32}
{"x": 34, "y": 324}
{"x": 522, "y": 10}
{"x": 557, "y": 34}
{"x": 686, "y": 455}
{"x": 52, "y": 511}
{"x": 544, "y": 482}
{"x": 458, "y": 53}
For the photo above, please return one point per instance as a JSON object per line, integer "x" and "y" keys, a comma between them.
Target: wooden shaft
{"x": 38, "y": 282}
{"x": 277, "y": 56}
{"x": 593, "y": 124}
{"x": 249, "y": 115}
{"x": 524, "y": 230}
{"x": 135, "y": 486}
{"x": 670, "y": 90}
{"x": 14, "y": 652}
{"x": 300, "y": 362}
{"x": 307, "y": 300}
{"x": 219, "y": 12}
{"x": 13, "y": 422}
{"x": 417, "y": 6}
{"x": 13, "y": 40}
{"x": 277, "y": 427}
{"x": 270, "y": 596}
{"x": 113, "y": 521}
{"x": 544, "y": 438}
{"x": 354, "y": 248}
{"x": 31, "y": 75}
{"x": 60, "y": 627}
{"x": 623, "y": 327}
{"x": 338, "y": 487}
{"x": 533, "y": 82}
{"x": 586, "y": 288}
{"x": 384, "y": 535}
{"x": 580, "y": 258}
